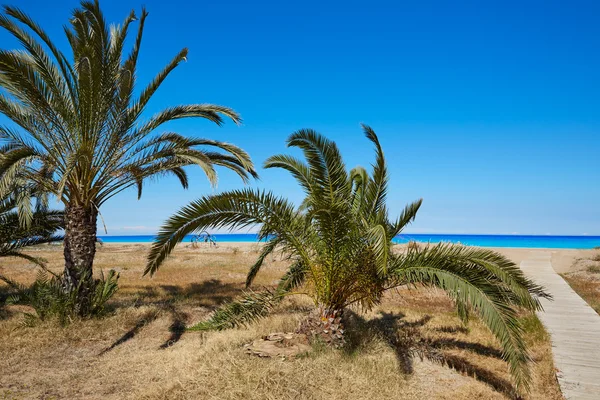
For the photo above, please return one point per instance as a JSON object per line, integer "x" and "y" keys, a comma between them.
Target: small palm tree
{"x": 23, "y": 226}
{"x": 340, "y": 244}
{"x": 17, "y": 233}
{"x": 80, "y": 130}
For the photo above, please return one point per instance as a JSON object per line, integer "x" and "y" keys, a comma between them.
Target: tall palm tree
{"x": 83, "y": 136}
{"x": 340, "y": 246}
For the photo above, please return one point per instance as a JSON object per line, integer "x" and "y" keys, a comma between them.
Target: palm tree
{"x": 16, "y": 234}
{"x": 83, "y": 136}
{"x": 23, "y": 226}
{"x": 340, "y": 245}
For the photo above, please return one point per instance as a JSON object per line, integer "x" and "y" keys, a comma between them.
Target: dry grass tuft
{"x": 585, "y": 279}
{"x": 413, "y": 346}
{"x": 594, "y": 269}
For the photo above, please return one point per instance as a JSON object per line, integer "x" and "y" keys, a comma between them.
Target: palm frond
{"x": 482, "y": 281}
{"x": 408, "y": 215}
{"x": 237, "y": 209}
{"x": 376, "y": 190}
{"x": 379, "y": 241}
{"x": 250, "y": 307}
{"x": 488, "y": 302}
{"x": 17, "y": 254}
{"x": 299, "y": 170}
{"x": 293, "y": 278}
{"x": 493, "y": 267}
{"x": 267, "y": 249}
{"x": 327, "y": 167}
{"x": 209, "y": 111}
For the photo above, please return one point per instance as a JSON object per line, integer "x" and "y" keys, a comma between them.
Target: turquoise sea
{"x": 546, "y": 242}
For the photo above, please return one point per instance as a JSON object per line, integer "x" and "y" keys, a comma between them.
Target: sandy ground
{"x": 141, "y": 350}
{"x": 563, "y": 260}
{"x": 584, "y": 277}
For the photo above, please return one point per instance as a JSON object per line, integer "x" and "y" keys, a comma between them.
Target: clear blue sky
{"x": 490, "y": 111}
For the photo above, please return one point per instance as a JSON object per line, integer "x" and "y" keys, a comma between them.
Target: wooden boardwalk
{"x": 574, "y": 327}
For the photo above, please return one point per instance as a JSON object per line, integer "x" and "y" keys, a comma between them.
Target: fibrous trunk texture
{"x": 79, "y": 251}
{"x": 325, "y": 326}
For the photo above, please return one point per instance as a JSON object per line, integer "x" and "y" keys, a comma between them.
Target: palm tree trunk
{"x": 79, "y": 251}
{"x": 325, "y": 325}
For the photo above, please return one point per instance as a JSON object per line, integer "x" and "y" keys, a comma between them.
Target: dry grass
{"x": 585, "y": 279}
{"x": 140, "y": 350}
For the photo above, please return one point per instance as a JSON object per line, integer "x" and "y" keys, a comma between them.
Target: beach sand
{"x": 563, "y": 260}
{"x": 141, "y": 350}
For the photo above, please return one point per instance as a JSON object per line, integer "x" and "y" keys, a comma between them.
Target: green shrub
{"x": 49, "y": 299}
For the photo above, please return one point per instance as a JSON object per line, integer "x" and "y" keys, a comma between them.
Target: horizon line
{"x": 417, "y": 234}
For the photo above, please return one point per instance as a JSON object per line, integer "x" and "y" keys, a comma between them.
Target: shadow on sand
{"x": 405, "y": 338}
{"x": 5, "y": 292}
{"x": 209, "y": 293}
{"x": 168, "y": 299}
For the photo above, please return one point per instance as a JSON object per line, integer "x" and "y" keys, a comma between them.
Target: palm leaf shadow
{"x": 209, "y": 293}
{"x": 407, "y": 342}
{"x": 146, "y": 319}
{"x": 5, "y": 292}
{"x": 177, "y": 327}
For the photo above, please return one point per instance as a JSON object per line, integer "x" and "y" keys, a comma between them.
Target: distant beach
{"x": 505, "y": 241}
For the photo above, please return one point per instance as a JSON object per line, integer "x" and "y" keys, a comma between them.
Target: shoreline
{"x": 201, "y": 245}
{"x": 545, "y": 242}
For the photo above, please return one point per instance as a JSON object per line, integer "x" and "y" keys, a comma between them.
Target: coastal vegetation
{"x": 23, "y": 226}
{"x": 585, "y": 279}
{"x": 327, "y": 269}
{"x": 26, "y": 226}
{"x": 140, "y": 348}
{"x": 339, "y": 246}
{"x": 82, "y": 135}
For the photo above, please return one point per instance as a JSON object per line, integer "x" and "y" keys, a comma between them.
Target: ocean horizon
{"x": 509, "y": 241}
